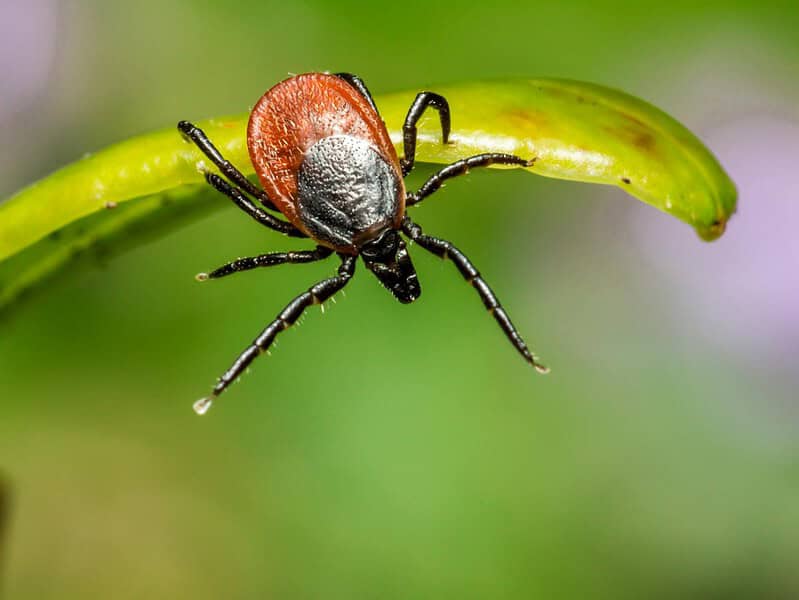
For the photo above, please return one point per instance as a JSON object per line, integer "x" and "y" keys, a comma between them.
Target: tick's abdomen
{"x": 319, "y": 129}
{"x": 347, "y": 192}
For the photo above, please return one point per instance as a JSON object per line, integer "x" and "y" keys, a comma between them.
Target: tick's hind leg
{"x": 236, "y": 177}
{"x": 446, "y": 250}
{"x": 462, "y": 167}
{"x": 317, "y": 294}
{"x": 267, "y": 260}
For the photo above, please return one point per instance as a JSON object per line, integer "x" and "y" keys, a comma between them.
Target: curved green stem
{"x": 577, "y": 131}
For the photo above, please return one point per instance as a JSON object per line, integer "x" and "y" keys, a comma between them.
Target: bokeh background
{"x": 389, "y": 451}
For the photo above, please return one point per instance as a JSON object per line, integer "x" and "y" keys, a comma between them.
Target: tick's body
{"x": 326, "y": 162}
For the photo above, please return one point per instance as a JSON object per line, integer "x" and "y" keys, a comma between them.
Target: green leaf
{"x": 577, "y": 131}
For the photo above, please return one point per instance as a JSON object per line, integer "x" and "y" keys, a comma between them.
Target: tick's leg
{"x": 248, "y": 206}
{"x": 359, "y": 85}
{"x": 267, "y": 260}
{"x": 236, "y": 177}
{"x": 423, "y": 100}
{"x": 287, "y": 317}
{"x": 446, "y": 250}
{"x": 462, "y": 167}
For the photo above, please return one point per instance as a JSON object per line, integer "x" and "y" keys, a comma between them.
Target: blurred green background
{"x": 389, "y": 451}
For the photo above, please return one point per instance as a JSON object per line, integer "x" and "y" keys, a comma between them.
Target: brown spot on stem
{"x": 634, "y": 120}
{"x": 528, "y": 119}
{"x": 645, "y": 141}
{"x": 638, "y": 136}
{"x": 712, "y": 231}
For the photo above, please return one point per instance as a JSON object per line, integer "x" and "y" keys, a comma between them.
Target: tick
{"x": 326, "y": 163}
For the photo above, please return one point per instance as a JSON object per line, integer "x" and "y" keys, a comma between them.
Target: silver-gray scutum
{"x": 346, "y": 191}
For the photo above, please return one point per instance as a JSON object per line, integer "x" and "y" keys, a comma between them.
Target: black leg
{"x": 287, "y": 317}
{"x": 446, "y": 250}
{"x": 359, "y": 85}
{"x": 236, "y": 177}
{"x": 267, "y": 260}
{"x": 423, "y": 100}
{"x": 462, "y": 167}
{"x": 247, "y": 205}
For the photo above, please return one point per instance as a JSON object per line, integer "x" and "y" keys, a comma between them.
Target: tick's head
{"x": 387, "y": 257}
